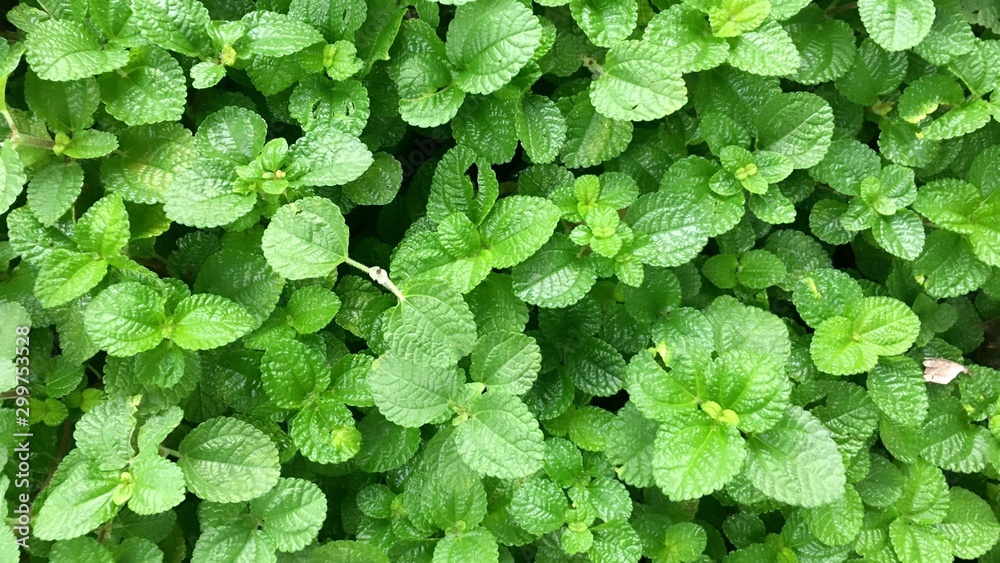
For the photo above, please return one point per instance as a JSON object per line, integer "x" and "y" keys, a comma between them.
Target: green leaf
{"x": 896, "y": 386}
{"x": 104, "y": 434}
{"x": 490, "y": 42}
{"x": 78, "y": 550}
{"x": 207, "y": 74}
{"x": 541, "y": 127}
{"x": 53, "y": 189}
{"x": 750, "y": 385}
{"x": 427, "y": 95}
{"x": 158, "y": 484}
{"x": 472, "y": 545}
{"x": 243, "y": 278}
{"x": 384, "y": 445}
{"x": 606, "y": 22}
{"x": 635, "y": 84}
{"x": 149, "y": 157}
{"x": 205, "y": 321}
{"x": 796, "y": 461}
{"x": 312, "y": 308}
{"x": 411, "y": 394}
{"x": 500, "y": 438}
{"x": 433, "y": 324}
{"x": 150, "y": 89}
{"x": 798, "y": 125}
{"x": 685, "y": 35}
{"x": 970, "y": 524}
{"x": 948, "y": 266}
{"x": 835, "y": 350}
{"x": 12, "y": 177}
{"x": 65, "y": 106}
{"x": 228, "y": 460}
{"x": 126, "y": 318}
{"x": 736, "y": 326}
{"x": 62, "y": 50}
{"x": 887, "y": 324}
{"x": 335, "y": 19}
{"x": 730, "y": 18}
{"x": 273, "y": 34}
{"x": 696, "y": 456}
{"x": 913, "y": 542}
{"x": 324, "y": 431}
{"x": 326, "y": 156}
{"x": 79, "y": 503}
{"x": 489, "y": 127}
{"x": 875, "y": 72}
{"x": 506, "y": 362}
{"x": 539, "y": 506}
{"x": 767, "y": 51}
{"x": 379, "y": 184}
{"x": 178, "y": 26}
{"x": 517, "y": 227}
{"x": 670, "y": 230}
{"x": 900, "y": 234}
{"x": 203, "y": 195}
{"x": 759, "y": 269}
{"x": 827, "y": 50}
{"x": 66, "y": 275}
{"x": 924, "y": 499}
{"x": 897, "y": 24}
{"x": 592, "y": 138}
{"x": 839, "y": 522}
{"x": 555, "y": 276}
{"x": 658, "y": 394}
{"x": 233, "y": 134}
{"x": 291, "y": 513}
{"x": 292, "y": 371}
{"x": 104, "y": 228}
{"x": 306, "y": 239}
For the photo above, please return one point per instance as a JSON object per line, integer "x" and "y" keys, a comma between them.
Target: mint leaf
{"x": 897, "y": 24}
{"x": 68, "y": 50}
{"x": 205, "y": 321}
{"x": 500, "y": 438}
{"x": 125, "y": 319}
{"x": 489, "y": 42}
{"x": 227, "y": 460}
{"x": 635, "y": 85}
{"x": 684, "y": 447}
{"x": 306, "y": 239}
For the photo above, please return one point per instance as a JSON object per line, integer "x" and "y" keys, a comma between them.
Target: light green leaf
{"x": 312, "y": 308}
{"x": 228, "y": 460}
{"x": 685, "y": 35}
{"x": 539, "y": 506}
{"x": 273, "y": 34}
{"x": 517, "y": 227}
{"x": 555, "y": 276}
{"x": 104, "y": 228}
{"x": 104, "y": 433}
{"x": 53, "y": 190}
{"x": 203, "y": 195}
{"x": 970, "y": 524}
{"x": 767, "y": 51}
{"x": 66, "y": 275}
{"x": 606, "y": 22}
{"x": 158, "y": 484}
{"x": 67, "y": 50}
{"x": 65, "y": 106}
{"x": 79, "y": 550}
{"x": 948, "y": 266}
{"x": 798, "y": 125}
{"x": 796, "y": 461}
{"x": 326, "y": 156}
{"x": 433, "y": 325}
{"x": 292, "y": 371}
{"x": 752, "y": 386}
{"x": 291, "y": 513}
{"x": 896, "y": 386}
{"x": 506, "y": 362}
{"x": 592, "y": 138}
{"x": 900, "y": 234}
{"x": 379, "y": 184}
{"x": 125, "y": 319}
{"x": 839, "y": 522}
{"x": 233, "y": 134}
{"x": 150, "y": 89}
{"x": 205, "y": 321}
{"x": 541, "y": 127}
{"x": 827, "y": 50}
{"x": 324, "y": 431}
{"x": 636, "y": 85}
{"x": 12, "y": 177}
{"x": 696, "y": 456}
{"x": 306, "y": 239}
{"x": 489, "y": 42}
{"x": 175, "y": 25}
{"x": 145, "y": 164}
{"x": 730, "y": 18}
{"x": 410, "y": 394}
{"x": 244, "y": 278}
{"x": 875, "y": 72}
{"x": 914, "y": 542}
{"x": 897, "y": 24}
{"x": 500, "y": 438}
{"x": 658, "y": 394}
{"x": 670, "y": 230}
{"x": 887, "y": 324}
{"x": 472, "y": 545}
{"x": 427, "y": 95}
{"x": 78, "y": 504}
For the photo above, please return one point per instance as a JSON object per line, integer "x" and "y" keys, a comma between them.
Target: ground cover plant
{"x": 496, "y": 281}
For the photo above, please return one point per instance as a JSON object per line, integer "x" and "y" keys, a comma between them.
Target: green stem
{"x": 30, "y": 141}
{"x": 169, "y": 451}
{"x": 378, "y": 275}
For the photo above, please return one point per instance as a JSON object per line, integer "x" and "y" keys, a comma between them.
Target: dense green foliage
{"x": 488, "y": 281}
